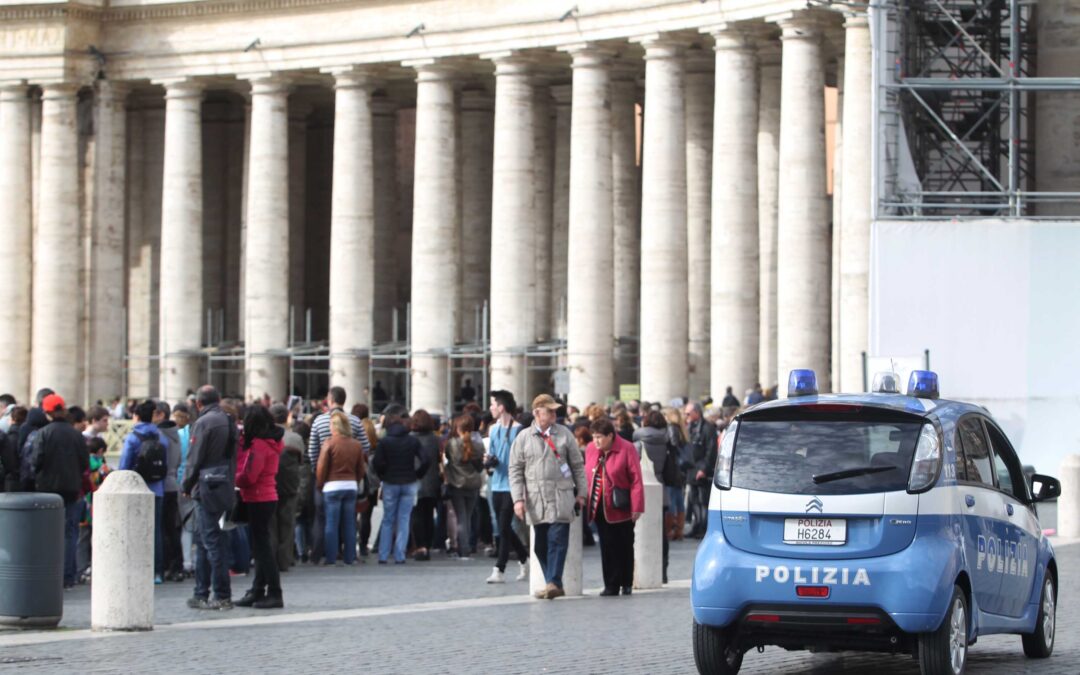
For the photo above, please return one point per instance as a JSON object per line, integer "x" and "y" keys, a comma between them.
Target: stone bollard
{"x": 122, "y": 592}
{"x": 572, "y": 568}
{"x": 1068, "y": 504}
{"x": 649, "y": 532}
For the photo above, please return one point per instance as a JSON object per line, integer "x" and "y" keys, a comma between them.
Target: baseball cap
{"x": 52, "y": 402}
{"x": 545, "y": 401}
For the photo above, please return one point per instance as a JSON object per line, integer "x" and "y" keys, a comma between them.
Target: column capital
{"x": 854, "y": 19}
{"x": 14, "y": 91}
{"x": 736, "y": 35}
{"x": 59, "y": 90}
{"x": 269, "y": 84}
{"x": 510, "y": 63}
{"x": 182, "y": 87}
{"x": 588, "y": 55}
{"x": 563, "y": 94}
{"x": 799, "y": 25}
{"x": 353, "y": 77}
{"x": 661, "y": 45}
{"x": 112, "y": 91}
{"x": 431, "y": 70}
{"x": 478, "y": 100}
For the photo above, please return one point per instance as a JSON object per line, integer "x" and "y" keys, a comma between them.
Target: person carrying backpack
{"x": 146, "y": 453}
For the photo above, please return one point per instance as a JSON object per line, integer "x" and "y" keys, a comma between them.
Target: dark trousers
{"x": 211, "y": 558}
{"x": 365, "y": 522}
{"x": 282, "y": 528}
{"x": 170, "y": 522}
{"x": 464, "y": 502}
{"x": 424, "y": 522}
{"x": 267, "y": 578}
{"x": 699, "y": 508}
{"x": 318, "y": 530}
{"x": 616, "y": 551}
{"x": 552, "y": 543}
{"x": 504, "y": 513}
{"x": 73, "y": 514}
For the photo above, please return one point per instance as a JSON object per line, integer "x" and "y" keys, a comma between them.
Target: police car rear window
{"x": 830, "y": 455}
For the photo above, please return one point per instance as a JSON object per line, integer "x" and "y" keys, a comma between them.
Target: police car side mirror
{"x": 1044, "y": 488}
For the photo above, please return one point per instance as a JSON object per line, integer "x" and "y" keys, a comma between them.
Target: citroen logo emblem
{"x": 814, "y": 505}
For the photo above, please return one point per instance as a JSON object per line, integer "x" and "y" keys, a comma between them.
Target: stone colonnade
{"x": 705, "y": 263}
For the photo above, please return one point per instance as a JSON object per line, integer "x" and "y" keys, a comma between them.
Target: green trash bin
{"x": 31, "y": 559}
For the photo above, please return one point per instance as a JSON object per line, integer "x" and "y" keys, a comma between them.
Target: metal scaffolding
{"x": 955, "y": 86}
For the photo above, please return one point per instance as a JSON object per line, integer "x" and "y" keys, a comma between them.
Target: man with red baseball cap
{"x": 60, "y": 459}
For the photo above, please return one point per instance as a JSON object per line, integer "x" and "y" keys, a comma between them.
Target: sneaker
{"x": 198, "y": 603}
{"x": 523, "y": 571}
{"x": 222, "y": 605}
{"x": 496, "y": 577}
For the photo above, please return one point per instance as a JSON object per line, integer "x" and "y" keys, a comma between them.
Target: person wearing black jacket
{"x": 213, "y": 453}
{"x": 60, "y": 460}
{"x": 703, "y": 440}
{"x": 400, "y": 462}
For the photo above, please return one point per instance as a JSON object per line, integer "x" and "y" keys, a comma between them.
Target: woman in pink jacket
{"x": 256, "y": 477}
{"x": 616, "y": 500}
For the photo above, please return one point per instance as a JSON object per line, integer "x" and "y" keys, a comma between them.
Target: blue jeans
{"x": 552, "y": 543}
{"x": 73, "y": 514}
{"x": 211, "y": 558}
{"x": 676, "y": 499}
{"x": 340, "y": 508}
{"x": 398, "y": 502}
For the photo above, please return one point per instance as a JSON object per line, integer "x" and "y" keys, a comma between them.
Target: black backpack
{"x": 673, "y": 474}
{"x": 151, "y": 462}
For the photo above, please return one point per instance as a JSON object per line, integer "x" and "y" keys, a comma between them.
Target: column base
{"x": 649, "y": 539}
{"x": 267, "y": 374}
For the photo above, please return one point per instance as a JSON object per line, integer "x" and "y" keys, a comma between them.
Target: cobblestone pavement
{"x": 440, "y": 617}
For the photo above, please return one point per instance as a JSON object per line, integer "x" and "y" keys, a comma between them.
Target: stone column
{"x": 352, "y": 234}
{"x": 626, "y": 220}
{"x": 266, "y": 250}
{"x": 837, "y": 203}
{"x": 560, "y": 212}
{"x": 856, "y": 209}
{"x": 768, "y": 163}
{"x": 56, "y": 308}
{"x": 664, "y": 333}
{"x": 544, "y": 149}
{"x": 16, "y": 232}
{"x": 803, "y": 245}
{"x": 590, "y": 323}
{"x": 434, "y": 237}
{"x": 699, "y": 222}
{"x": 180, "y": 313}
{"x": 735, "y": 245}
{"x": 384, "y": 122}
{"x": 1057, "y": 113}
{"x": 513, "y": 226}
{"x": 105, "y": 345}
{"x": 298, "y": 302}
{"x": 477, "y": 127}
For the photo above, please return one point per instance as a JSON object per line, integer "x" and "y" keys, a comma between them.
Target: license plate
{"x": 815, "y": 531}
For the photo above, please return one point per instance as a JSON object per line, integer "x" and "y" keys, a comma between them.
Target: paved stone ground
{"x": 440, "y": 617}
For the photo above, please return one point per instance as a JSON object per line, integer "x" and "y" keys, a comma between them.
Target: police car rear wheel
{"x": 1040, "y": 644}
{"x": 715, "y": 652}
{"x": 944, "y": 651}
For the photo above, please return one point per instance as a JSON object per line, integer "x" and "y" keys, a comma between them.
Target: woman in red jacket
{"x": 616, "y": 501}
{"x": 256, "y": 477}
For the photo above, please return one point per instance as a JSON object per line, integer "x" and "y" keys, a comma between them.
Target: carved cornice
{"x": 72, "y": 11}
{"x": 195, "y": 9}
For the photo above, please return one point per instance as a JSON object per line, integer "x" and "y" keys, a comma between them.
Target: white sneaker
{"x": 523, "y": 571}
{"x": 496, "y": 577}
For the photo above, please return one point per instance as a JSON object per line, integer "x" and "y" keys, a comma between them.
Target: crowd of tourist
{"x": 265, "y": 485}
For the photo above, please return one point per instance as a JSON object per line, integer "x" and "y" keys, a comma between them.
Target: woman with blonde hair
{"x": 342, "y": 464}
{"x": 676, "y": 495}
{"x": 464, "y": 477}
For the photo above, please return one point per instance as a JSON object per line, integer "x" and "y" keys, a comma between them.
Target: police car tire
{"x": 713, "y": 652}
{"x": 1039, "y": 645}
{"x": 935, "y": 648}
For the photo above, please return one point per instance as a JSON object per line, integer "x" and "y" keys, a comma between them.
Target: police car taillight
{"x": 812, "y": 591}
{"x": 722, "y": 474}
{"x": 927, "y": 460}
{"x": 886, "y": 383}
{"x": 802, "y": 382}
{"x": 922, "y": 384}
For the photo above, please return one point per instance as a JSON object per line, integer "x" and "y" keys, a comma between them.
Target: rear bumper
{"x": 911, "y": 588}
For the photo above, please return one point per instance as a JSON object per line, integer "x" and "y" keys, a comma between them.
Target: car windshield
{"x": 824, "y": 457}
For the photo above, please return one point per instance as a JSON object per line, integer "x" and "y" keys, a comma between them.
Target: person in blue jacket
{"x": 501, "y": 435}
{"x": 145, "y": 428}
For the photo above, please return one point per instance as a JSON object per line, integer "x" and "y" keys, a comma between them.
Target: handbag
{"x": 239, "y": 513}
{"x": 620, "y": 497}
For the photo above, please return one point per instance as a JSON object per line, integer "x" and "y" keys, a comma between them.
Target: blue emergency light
{"x": 802, "y": 382}
{"x": 886, "y": 382}
{"x": 923, "y": 384}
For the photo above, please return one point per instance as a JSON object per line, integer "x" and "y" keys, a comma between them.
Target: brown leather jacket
{"x": 341, "y": 458}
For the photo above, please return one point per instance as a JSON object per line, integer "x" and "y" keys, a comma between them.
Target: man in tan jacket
{"x": 547, "y": 481}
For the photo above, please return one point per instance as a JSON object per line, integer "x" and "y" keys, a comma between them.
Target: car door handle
{"x": 1009, "y": 509}
{"x": 969, "y": 500}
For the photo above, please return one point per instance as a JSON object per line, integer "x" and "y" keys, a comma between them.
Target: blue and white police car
{"x": 871, "y": 522}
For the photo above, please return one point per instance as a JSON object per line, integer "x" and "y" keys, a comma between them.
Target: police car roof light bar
{"x": 802, "y": 382}
{"x": 886, "y": 382}
{"x": 923, "y": 384}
